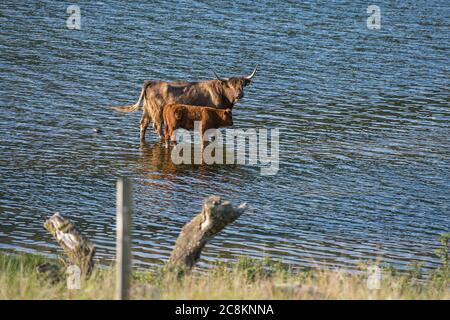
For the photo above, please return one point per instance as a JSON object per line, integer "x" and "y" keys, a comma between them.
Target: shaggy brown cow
{"x": 222, "y": 93}
{"x": 183, "y": 116}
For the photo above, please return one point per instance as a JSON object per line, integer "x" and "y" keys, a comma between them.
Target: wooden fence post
{"x": 123, "y": 238}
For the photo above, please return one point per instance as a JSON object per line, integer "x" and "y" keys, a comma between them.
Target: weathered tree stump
{"x": 79, "y": 250}
{"x": 216, "y": 215}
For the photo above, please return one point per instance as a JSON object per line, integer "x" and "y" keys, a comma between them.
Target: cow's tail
{"x": 135, "y": 106}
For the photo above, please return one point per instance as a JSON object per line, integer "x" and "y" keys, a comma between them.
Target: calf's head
{"x": 233, "y": 87}
{"x": 227, "y": 118}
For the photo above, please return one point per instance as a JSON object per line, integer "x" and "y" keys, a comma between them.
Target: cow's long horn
{"x": 218, "y": 78}
{"x": 253, "y": 74}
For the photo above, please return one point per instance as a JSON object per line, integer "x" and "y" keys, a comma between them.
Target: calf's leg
{"x": 167, "y": 135}
{"x": 202, "y": 137}
{"x": 173, "y": 138}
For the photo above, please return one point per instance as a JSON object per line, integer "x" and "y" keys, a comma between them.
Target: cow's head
{"x": 233, "y": 87}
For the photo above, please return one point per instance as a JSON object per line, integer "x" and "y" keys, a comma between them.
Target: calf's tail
{"x": 135, "y": 106}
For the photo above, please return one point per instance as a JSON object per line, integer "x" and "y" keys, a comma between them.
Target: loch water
{"x": 363, "y": 117}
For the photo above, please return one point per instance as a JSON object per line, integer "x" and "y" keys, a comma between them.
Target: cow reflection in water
{"x": 156, "y": 159}
{"x": 156, "y": 163}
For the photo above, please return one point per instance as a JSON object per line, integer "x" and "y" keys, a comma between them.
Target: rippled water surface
{"x": 363, "y": 118}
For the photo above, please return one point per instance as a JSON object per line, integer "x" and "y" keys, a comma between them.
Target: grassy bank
{"x": 244, "y": 279}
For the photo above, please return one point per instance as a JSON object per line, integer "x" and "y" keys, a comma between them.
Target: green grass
{"x": 244, "y": 279}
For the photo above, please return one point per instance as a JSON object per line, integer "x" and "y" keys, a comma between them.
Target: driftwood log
{"x": 216, "y": 215}
{"x": 79, "y": 250}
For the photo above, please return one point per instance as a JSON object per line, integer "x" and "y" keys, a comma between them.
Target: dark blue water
{"x": 363, "y": 118}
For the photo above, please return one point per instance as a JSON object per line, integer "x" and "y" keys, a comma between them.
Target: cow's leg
{"x": 158, "y": 125}
{"x": 158, "y": 122}
{"x": 145, "y": 121}
{"x": 154, "y": 109}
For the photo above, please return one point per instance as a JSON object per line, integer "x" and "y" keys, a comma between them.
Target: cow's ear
{"x": 247, "y": 82}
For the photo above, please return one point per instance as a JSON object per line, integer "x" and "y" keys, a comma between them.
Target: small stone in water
{"x": 97, "y": 130}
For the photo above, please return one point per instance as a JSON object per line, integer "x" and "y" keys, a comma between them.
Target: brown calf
{"x": 183, "y": 116}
